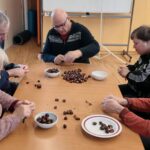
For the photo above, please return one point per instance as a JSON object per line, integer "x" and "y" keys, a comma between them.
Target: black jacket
{"x": 139, "y": 76}
{"x": 79, "y": 38}
{"x": 2, "y": 43}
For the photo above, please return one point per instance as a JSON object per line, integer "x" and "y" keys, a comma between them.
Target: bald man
{"x": 68, "y": 41}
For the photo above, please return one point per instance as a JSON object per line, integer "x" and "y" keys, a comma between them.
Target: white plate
{"x": 99, "y": 75}
{"x": 88, "y": 127}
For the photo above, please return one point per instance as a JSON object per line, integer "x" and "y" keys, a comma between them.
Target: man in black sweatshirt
{"x": 68, "y": 41}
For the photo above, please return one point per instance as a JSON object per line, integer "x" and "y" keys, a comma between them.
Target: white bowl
{"x": 45, "y": 125}
{"x": 99, "y": 75}
{"x": 51, "y": 75}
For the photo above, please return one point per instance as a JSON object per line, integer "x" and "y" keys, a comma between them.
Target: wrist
{"x": 10, "y": 73}
{"x": 127, "y": 75}
{"x": 18, "y": 116}
{"x": 54, "y": 60}
{"x": 119, "y": 109}
{"x": 124, "y": 102}
{"x": 78, "y": 53}
{"x": 13, "y": 106}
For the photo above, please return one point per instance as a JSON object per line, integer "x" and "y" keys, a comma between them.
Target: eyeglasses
{"x": 61, "y": 25}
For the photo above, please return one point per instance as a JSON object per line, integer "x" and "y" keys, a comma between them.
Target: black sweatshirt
{"x": 79, "y": 38}
{"x": 139, "y": 76}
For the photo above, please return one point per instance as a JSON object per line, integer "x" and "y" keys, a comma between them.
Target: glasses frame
{"x": 56, "y": 27}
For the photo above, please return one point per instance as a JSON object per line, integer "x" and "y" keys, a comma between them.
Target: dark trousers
{"x": 126, "y": 91}
{"x": 146, "y": 142}
{"x": 12, "y": 88}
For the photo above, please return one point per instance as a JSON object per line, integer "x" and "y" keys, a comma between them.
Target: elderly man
{"x": 8, "y": 69}
{"x": 68, "y": 41}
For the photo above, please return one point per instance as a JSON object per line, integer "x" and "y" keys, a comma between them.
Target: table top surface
{"x": 28, "y": 136}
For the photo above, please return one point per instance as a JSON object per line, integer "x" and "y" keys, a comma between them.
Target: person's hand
{"x": 40, "y": 57}
{"x": 71, "y": 56}
{"x": 24, "y": 102}
{"x": 111, "y": 106}
{"x": 59, "y": 59}
{"x": 0, "y": 110}
{"x": 123, "y": 71}
{"x": 120, "y": 100}
{"x": 17, "y": 72}
{"x": 25, "y": 67}
{"x": 23, "y": 111}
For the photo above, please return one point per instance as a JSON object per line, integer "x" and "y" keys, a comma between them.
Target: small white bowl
{"x": 45, "y": 125}
{"x": 99, "y": 75}
{"x": 51, "y": 75}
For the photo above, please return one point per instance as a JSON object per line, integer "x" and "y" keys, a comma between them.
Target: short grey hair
{"x": 4, "y": 20}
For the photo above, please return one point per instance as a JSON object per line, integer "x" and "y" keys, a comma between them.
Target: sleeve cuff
{"x": 127, "y": 76}
{"x": 129, "y": 102}
{"x": 123, "y": 113}
{"x": 9, "y": 66}
{"x": 47, "y": 58}
{"x": 12, "y": 106}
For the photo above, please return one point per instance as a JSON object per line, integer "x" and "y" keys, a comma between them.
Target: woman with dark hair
{"x": 138, "y": 75}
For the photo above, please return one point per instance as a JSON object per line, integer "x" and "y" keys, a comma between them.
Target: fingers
{"x": 39, "y": 56}
{"x": 72, "y": 55}
{"x": 28, "y": 109}
{"x": 21, "y": 71}
{"x": 0, "y": 109}
{"x": 26, "y": 102}
{"x": 110, "y": 97}
{"x": 32, "y": 106}
{"x": 24, "y": 109}
{"x": 59, "y": 59}
{"x": 69, "y": 57}
{"x": 25, "y": 67}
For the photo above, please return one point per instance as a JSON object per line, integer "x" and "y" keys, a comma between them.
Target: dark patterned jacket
{"x": 139, "y": 76}
{"x": 79, "y": 38}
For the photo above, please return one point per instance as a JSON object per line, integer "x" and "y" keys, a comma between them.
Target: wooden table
{"x": 29, "y": 137}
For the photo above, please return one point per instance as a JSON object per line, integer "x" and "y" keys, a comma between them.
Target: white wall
{"x": 14, "y": 10}
{"x": 95, "y": 6}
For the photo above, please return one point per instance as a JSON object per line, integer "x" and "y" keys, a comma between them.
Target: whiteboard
{"x": 93, "y": 6}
